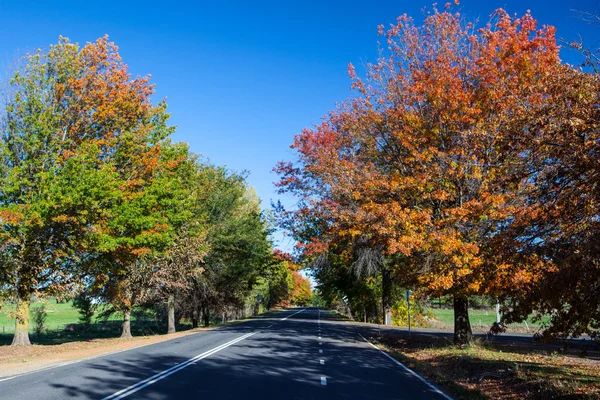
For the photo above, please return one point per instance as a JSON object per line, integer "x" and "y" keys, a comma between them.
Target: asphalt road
{"x": 294, "y": 354}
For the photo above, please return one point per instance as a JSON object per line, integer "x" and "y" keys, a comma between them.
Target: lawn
{"x": 59, "y": 315}
{"x": 481, "y": 319}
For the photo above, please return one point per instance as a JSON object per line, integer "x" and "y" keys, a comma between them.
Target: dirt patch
{"x": 18, "y": 360}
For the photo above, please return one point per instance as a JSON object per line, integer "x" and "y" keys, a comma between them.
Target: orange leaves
{"x": 10, "y": 217}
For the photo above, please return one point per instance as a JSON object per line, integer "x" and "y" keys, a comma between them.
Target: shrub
{"x": 39, "y": 318}
{"x": 85, "y": 306}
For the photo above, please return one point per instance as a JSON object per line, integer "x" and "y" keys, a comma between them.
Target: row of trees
{"x": 467, "y": 163}
{"x": 96, "y": 199}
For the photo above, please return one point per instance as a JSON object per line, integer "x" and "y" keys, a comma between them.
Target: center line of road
{"x": 320, "y": 351}
{"x": 283, "y": 319}
{"x": 161, "y": 375}
{"x": 323, "y": 381}
{"x": 322, "y": 362}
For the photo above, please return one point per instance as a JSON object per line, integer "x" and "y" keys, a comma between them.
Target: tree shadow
{"x": 282, "y": 362}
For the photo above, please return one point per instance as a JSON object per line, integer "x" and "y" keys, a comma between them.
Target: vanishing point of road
{"x": 292, "y": 354}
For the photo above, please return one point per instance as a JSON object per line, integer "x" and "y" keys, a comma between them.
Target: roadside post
{"x": 408, "y": 292}
{"x": 497, "y": 311}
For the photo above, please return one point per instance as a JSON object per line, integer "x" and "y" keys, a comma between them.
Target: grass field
{"x": 59, "y": 314}
{"x": 482, "y": 319}
{"x": 59, "y": 328}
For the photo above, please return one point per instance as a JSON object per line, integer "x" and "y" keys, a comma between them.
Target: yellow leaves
{"x": 64, "y": 219}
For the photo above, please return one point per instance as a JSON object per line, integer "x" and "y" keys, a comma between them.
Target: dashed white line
{"x": 320, "y": 351}
{"x": 322, "y": 362}
{"x": 320, "y": 343}
{"x": 323, "y": 381}
{"x": 419, "y": 377}
{"x": 161, "y": 375}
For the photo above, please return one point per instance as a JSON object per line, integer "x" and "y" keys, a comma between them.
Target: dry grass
{"x": 482, "y": 371}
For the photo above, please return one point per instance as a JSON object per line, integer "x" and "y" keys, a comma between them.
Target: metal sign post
{"x": 408, "y": 292}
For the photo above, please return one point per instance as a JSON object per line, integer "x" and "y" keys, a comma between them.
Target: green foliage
{"x": 85, "y": 306}
{"x": 419, "y": 316}
{"x": 39, "y": 318}
{"x": 317, "y": 300}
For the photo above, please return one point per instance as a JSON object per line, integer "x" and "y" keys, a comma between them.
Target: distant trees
{"x": 96, "y": 199}
{"x": 464, "y": 165}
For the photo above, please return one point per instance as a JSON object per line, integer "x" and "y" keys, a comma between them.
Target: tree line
{"x": 466, "y": 163}
{"x": 98, "y": 203}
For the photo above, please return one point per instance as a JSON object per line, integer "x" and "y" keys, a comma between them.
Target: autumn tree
{"x": 411, "y": 166}
{"x": 557, "y": 219}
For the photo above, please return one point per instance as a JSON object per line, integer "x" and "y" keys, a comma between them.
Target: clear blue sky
{"x": 242, "y": 77}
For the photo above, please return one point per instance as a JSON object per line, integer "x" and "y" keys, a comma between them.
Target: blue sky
{"x": 241, "y": 77}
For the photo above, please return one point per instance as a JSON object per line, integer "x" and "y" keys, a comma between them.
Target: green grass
{"x": 59, "y": 314}
{"x": 485, "y": 317}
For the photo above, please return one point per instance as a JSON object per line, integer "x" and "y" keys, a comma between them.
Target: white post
{"x": 497, "y": 311}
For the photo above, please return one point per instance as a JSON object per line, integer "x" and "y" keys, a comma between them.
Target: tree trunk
{"x": 171, "y": 313}
{"x": 386, "y": 297}
{"x": 462, "y": 327}
{"x": 126, "y": 332}
{"x": 21, "y": 337}
{"x": 206, "y": 316}
{"x": 195, "y": 319}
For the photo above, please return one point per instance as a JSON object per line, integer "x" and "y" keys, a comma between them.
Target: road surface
{"x": 293, "y": 354}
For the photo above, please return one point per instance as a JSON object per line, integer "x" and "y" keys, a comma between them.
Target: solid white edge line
{"x": 161, "y": 375}
{"x": 419, "y": 377}
{"x": 289, "y": 316}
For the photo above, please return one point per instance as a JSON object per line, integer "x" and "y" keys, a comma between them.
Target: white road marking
{"x": 283, "y": 319}
{"x": 269, "y": 326}
{"x": 320, "y": 351}
{"x": 320, "y": 343}
{"x": 89, "y": 358}
{"x": 161, "y": 375}
{"x": 322, "y": 362}
{"x": 419, "y": 377}
{"x": 319, "y": 337}
{"x": 323, "y": 381}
